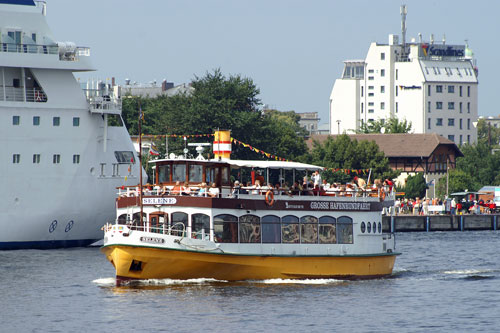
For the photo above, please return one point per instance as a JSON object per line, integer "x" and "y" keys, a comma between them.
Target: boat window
{"x": 308, "y": 229}
{"x": 290, "y": 229}
{"x": 368, "y": 227}
{"x": 179, "y": 223}
{"x": 363, "y": 227}
{"x": 344, "y": 230}
{"x": 225, "y": 175}
{"x": 380, "y": 227}
{"x": 163, "y": 173}
{"x": 212, "y": 175}
{"x": 179, "y": 172}
{"x": 195, "y": 173}
{"x": 271, "y": 229}
{"x": 226, "y": 228}
{"x": 136, "y": 220}
{"x": 200, "y": 224}
{"x": 122, "y": 219}
{"x": 124, "y": 157}
{"x": 249, "y": 229}
{"x": 327, "y": 230}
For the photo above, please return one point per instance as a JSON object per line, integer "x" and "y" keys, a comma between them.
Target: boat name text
{"x": 159, "y": 201}
{"x": 289, "y": 206}
{"x": 153, "y": 240}
{"x": 340, "y": 205}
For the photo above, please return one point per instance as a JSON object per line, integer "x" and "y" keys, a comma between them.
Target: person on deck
{"x": 214, "y": 191}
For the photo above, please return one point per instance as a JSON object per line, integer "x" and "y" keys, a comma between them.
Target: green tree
{"x": 344, "y": 153}
{"x": 389, "y": 126}
{"x": 415, "y": 186}
{"x": 458, "y": 181}
{"x": 487, "y": 134}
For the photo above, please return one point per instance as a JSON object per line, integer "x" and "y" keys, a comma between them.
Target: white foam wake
{"x": 297, "y": 281}
{"x": 468, "y": 271}
{"x": 105, "y": 282}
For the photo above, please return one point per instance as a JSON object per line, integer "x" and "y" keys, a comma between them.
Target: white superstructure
{"x": 434, "y": 86}
{"x": 64, "y": 150}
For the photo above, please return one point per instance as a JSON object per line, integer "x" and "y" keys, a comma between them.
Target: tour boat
{"x": 245, "y": 233}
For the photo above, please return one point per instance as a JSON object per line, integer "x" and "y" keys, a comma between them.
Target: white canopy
{"x": 252, "y": 164}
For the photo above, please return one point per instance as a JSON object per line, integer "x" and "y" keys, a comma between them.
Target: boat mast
{"x": 141, "y": 116}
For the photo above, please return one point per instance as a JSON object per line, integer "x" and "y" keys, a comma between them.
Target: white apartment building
{"x": 433, "y": 86}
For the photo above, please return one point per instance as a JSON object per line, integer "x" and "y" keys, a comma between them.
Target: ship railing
{"x": 16, "y": 94}
{"x": 103, "y": 101}
{"x": 72, "y": 55}
{"x": 257, "y": 194}
{"x": 29, "y": 48}
{"x": 177, "y": 229}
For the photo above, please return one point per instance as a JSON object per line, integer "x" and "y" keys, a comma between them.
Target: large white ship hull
{"x": 59, "y": 154}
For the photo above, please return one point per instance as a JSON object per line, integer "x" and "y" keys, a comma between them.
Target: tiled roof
{"x": 399, "y": 145}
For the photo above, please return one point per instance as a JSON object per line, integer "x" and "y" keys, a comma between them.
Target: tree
{"x": 415, "y": 186}
{"x": 344, "y": 153}
{"x": 218, "y": 102}
{"x": 389, "y": 126}
{"x": 486, "y": 134}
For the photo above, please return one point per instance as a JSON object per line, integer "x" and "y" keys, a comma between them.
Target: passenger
{"x": 326, "y": 185}
{"x": 360, "y": 182}
{"x": 186, "y": 190}
{"x": 316, "y": 178}
{"x": 177, "y": 189}
{"x": 236, "y": 189}
{"x": 256, "y": 187}
{"x": 163, "y": 190}
{"x": 214, "y": 191}
{"x": 203, "y": 190}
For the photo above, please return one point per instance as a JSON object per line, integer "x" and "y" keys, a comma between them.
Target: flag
{"x": 153, "y": 150}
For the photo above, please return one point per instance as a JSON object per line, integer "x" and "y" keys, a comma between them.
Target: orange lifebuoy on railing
{"x": 270, "y": 198}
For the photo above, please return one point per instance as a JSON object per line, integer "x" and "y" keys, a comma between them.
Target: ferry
{"x": 200, "y": 220}
{"x": 64, "y": 146}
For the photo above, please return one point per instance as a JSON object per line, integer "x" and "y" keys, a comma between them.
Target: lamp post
{"x": 338, "y": 126}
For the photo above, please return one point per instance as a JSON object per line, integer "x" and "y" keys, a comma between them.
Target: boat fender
{"x": 269, "y": 198}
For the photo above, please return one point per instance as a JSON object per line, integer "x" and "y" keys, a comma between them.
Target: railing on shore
{"x": 426, "y": 223}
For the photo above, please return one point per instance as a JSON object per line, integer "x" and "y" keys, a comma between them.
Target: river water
{"x": 443, "y": 282}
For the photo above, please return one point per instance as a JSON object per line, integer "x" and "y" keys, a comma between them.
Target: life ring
{"x": 381, "y": 195}
{"x": 270, "y": 198}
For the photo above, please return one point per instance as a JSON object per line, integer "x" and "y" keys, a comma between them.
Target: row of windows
{"x": 451, "y": 122}
{"x": 449, "y": 71}
{"x": 368, "y": 227}
{"x": 56, "y": 121}
{"x": 249, "y": 228}
{"x": 451, "y": 106}
{"x": 56, "y": 158}
{"x": 451, "y": 90}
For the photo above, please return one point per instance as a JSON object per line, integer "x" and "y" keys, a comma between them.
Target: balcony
{"x": 66, "y": 52}
{"x": 16, "y": 94}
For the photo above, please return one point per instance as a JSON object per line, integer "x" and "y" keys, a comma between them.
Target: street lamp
{"x": 338, "y": 126}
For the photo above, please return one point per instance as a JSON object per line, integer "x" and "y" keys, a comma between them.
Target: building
{"x": 431, "y": 154}
{"x": 153, "y": 90}
{"x": 309, "y": 121}
{"x": 433, "y": 86}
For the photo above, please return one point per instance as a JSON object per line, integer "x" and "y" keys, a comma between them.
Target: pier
{"x": 426, "y": 223}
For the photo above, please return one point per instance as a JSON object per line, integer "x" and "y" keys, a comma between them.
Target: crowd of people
{"x": 428, "y": 206}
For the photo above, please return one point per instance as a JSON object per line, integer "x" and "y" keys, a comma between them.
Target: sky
{"x": 292, "y": 50}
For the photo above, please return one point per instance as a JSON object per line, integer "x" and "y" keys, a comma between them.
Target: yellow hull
{"x": 154, "y": 263}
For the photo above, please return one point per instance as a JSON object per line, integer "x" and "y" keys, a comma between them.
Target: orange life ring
{"x": 270, "y": 198}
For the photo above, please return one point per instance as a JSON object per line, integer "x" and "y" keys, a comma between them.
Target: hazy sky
{"x": 293, "y": 50}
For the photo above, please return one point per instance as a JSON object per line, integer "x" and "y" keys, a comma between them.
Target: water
{"x": 443, "y": 282}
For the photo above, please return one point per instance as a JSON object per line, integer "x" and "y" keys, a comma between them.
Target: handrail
{"x": 80, "y": 51}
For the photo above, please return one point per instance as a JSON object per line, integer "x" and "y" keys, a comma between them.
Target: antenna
{"x": 403, "y": 12}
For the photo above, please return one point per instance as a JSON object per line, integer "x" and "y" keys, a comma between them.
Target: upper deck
{"x": 26, "y": 40}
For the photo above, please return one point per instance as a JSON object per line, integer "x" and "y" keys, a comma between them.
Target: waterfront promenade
{"x": 409, "y": 223}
